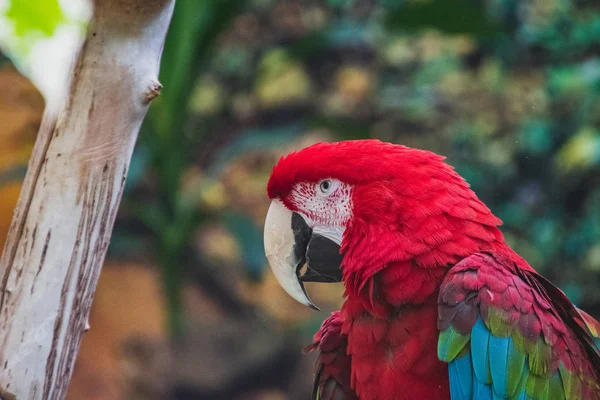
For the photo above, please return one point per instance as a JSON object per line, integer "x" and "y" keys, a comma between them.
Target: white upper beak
{"x": 279, "y": 249}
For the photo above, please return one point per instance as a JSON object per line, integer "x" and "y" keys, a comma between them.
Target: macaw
{"x": 437, "y": 305}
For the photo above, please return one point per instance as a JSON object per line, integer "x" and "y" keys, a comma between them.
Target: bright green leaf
{"x": 41, "y": 16}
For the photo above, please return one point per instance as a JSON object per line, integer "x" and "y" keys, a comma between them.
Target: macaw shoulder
{"x": 507, "y": 332}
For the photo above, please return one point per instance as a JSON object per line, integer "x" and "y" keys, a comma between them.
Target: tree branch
{"x": 64, "y": 218}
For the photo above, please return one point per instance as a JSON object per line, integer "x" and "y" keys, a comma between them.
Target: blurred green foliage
{"x": 451, "y": 17}
{"x": 509, "y": 91}
{"x": 34, "y": 18}
{"x": 167, "y": 149}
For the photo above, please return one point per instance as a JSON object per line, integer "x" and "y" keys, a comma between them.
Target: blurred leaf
{"x": 310, "y": 44}
{"x": 150, "y": 215}
{"x": 575, "y": 79}
{"x": 545, "y": 234}
{"x": 454, "y": 17}
{"x": 580, "y": 152}
{"x": 282, "y": 80}
{"x": 140, "y": 161}
{"x": 254, "y": 139}
{"x": 208, "y": 97}
{"x": 348, "y": 33}
{"x": 535, "y": 138}
{"x": 343, "y": 128}
{"x": 250, "y": 238}
{"x": 13, "y": 174}
{"x": 593, "y": 258}
{"x": 573, "y": 292}
{"x": 234, "y": 61}
{"x": 499, "y": 109}
{"x": 433, "y": 71}
{"x": 124, "y": 244}
{"x": 40, "y": 16}
{"x": 194, "y": 29}
{"x": 334, "y": 35}
{"x": 340, "y": 3}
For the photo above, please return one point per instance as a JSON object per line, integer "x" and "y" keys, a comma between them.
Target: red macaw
{"x": 437, "y": 305}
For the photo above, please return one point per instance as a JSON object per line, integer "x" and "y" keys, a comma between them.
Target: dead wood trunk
{"x": 67, "y": 207}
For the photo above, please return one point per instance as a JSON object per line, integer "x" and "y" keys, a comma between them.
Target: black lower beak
{"x": 290, "y": 250}
{"x": 320, "y": 254}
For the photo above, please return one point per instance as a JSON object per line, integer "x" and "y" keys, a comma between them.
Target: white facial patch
{"x": 326, "y": 206}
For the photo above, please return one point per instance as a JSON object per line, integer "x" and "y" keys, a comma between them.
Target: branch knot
{"x": 153, "y": 91}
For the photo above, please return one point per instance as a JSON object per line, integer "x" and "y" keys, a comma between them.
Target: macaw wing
{"x": 589, "y": 323}
{"x": 332, "y": 371}
{"x": 508, "y": 333}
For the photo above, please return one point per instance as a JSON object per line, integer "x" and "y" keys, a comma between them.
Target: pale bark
{"x": 65, "y": 214}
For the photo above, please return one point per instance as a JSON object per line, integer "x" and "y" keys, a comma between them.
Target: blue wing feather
{"x": 461, "y": 378}
{"x": 498, "y": 355}
{"x": 481, "y": 391}
{"x": 512, "y": 357}
{"x": 486, "y": 368}
{"x": 479, "y": 351}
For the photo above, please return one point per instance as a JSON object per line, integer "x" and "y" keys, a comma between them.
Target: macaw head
{"x": 345, "y": 210}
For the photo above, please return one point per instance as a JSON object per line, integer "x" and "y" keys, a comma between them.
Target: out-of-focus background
{"x": 186, "y": 307}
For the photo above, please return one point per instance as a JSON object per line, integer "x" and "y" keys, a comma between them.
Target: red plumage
{"x": 413, "y": 219}
{"x": 527, "y": 305}
{"x": 332, "y": 371}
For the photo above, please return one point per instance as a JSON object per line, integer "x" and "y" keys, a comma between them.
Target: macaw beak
{"x": 290, "y": 244}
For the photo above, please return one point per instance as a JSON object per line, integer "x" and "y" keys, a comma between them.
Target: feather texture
{"x": 332, "y": 371}
{"x": 429, "y": 277}
{"x": 540, "y": 351}
{"x": 461, "y": 377}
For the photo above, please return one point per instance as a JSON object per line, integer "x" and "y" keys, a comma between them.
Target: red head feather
{"x": 408, "y": 205}
{"x": 351, "y": 161}
{"x": 416, "y": 181}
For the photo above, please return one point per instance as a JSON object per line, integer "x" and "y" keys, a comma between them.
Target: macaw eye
{"x": 325, "y": 186}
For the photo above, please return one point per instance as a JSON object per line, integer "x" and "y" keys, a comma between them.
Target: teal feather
{"x": 481, "y": 391}
{"x": 460, "y": 372}
{"x": 495, "y": 369}
{"x": 479, "y": 351}
{"x": 498, "y": 354}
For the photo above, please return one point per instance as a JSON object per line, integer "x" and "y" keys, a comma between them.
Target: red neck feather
{"x": 406, "y": 233}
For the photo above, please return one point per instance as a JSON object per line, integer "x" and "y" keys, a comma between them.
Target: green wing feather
{"x": 508, "y": 334}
